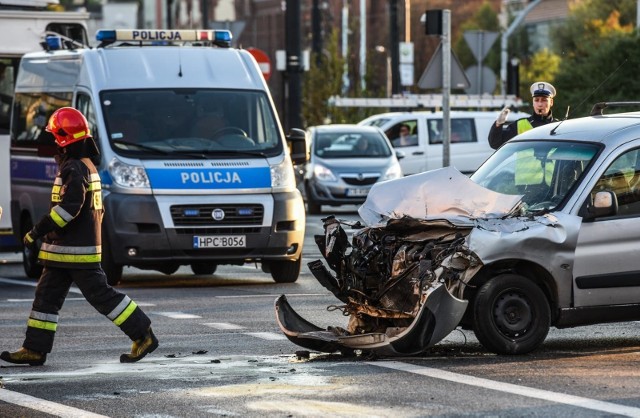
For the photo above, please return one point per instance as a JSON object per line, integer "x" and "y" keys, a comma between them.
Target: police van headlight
{"x": 282, "y": 178}
{"x": 127, "y": 175}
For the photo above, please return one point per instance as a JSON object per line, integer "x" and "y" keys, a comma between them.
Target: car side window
{"x": 404, "y": 134}
{"x": 622, "y": 177}
{"x": 462, "y": 131}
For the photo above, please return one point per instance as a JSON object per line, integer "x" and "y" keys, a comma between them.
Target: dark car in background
{"x": 346, "y": 160}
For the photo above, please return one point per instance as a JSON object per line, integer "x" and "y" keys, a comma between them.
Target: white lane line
{"x": 178, "y": 315}
{"x": 48, "y": 407}
{"x": 34, "y": 284}
{"x": 546, "y": 395}
{"x": 270, "y": 296}
{"x": 271, "y": 336}
{"x": 223, "y": 325}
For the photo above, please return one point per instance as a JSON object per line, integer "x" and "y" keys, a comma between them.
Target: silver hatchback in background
{"x": 346, "y": 160}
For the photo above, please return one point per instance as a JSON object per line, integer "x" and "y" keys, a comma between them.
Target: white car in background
{"x": 469, "y": 146}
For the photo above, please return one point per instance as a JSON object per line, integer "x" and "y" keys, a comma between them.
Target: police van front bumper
{"x": 144, "y": 231}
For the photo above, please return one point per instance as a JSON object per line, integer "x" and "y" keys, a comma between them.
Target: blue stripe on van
{"x": 33, "y": 170}
{"x": 219, "y": 178}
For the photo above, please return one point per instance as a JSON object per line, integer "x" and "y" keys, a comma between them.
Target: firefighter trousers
{"x": 51, "y": 292}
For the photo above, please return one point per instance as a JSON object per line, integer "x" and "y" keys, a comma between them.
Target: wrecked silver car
{"x": 541, "y": 235}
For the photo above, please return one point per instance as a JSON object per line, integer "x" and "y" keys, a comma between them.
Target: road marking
{"x": 223, "y": 325}
{"x": 546, "y": 395}
{"x": 34, "y": 284}
{"x": 271, "y": 336}
{"x": 48, "y": 407}
{"x": 178, "y": 315}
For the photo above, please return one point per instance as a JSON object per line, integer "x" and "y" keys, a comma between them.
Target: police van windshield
{"x": 174, "y": 123}
{"x": 542, "y": 171}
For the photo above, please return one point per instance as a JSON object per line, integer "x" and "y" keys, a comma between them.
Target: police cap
{"x": 542, "y": 88}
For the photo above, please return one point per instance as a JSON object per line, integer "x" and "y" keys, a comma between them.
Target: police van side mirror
{"x": 297, "y": 141}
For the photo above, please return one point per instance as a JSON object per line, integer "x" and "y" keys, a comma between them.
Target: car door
{"x": 607, "y": 267}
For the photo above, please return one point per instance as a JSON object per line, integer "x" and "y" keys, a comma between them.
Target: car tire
{"x": 203, "y": 268}
{"x": 313, "y": 208}
{"x": 285, "y": 271}
{"x": 32, "y": 269}
{"x": 511, "y": 315}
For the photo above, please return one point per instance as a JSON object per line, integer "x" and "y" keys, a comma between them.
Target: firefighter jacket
{"x": 498, "y": 135}
{"x": 71, "y": 232}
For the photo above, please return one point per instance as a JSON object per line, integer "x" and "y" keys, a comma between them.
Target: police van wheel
{"x": 511, "y": 315}
{"x": 204, "y": 268}
{"x": 30, "y": 258}
{"x": 285, "y": 271}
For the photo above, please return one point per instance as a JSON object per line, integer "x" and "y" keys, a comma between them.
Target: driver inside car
{"x": 210, "y": 119}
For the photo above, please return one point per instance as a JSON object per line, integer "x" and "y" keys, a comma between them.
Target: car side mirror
{"x": 605, "y": 203}
{"x": 297, "y": 141}
{"x": 400, "y": 155}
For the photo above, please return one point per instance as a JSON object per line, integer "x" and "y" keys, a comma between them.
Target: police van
{"x": 194, "y": 164}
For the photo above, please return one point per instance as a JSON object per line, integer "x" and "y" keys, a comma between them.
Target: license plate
{"x": 357, "y": 192}
{"x": 220, "y": 241}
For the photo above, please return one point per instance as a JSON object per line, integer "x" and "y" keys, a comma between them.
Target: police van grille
{"x": 202, "y": 215}
{"x": 218, "y": 231}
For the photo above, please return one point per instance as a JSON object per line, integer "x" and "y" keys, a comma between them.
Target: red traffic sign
{"x": 263, "y": 61}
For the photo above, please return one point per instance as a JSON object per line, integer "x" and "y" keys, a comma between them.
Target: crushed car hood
{"x": 402, "y": 277}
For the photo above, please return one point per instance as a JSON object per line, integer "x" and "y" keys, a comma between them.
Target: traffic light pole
{"x": 294, "y": 65}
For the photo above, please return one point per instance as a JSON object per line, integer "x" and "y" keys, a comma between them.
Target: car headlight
{"x": 282, "y": 178}
{"x": 127, "y": 175}
{"x": 393, "y": 172}
{"x": 322, "y": 173}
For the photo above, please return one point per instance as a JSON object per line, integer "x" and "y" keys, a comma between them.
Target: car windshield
{"x": 341, "y": 144}
{"x": 174, "y": 123}
{"x": 543, "y": 172}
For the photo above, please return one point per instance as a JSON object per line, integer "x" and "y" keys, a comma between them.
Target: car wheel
{"x": 29, "y": 258}
{"x": 313, "y": 208}
{"x": 511, "y": 315}
{"x": 285, "y": 271}
{"x": 111, "y": 269}
{"x": 204, "y": 268}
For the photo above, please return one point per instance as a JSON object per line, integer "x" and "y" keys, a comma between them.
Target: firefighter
{"x": 71, "y": 249}
{"x": 543, "y": 94}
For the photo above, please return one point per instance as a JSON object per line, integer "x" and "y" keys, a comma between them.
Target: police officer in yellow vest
{"x": 543, "y": 94}
{"x": 71, "y": 249}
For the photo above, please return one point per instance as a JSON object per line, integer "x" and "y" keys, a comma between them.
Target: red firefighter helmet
{"x": 68, "y": 125}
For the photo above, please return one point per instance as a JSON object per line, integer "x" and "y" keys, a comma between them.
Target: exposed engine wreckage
{"x": 402, "y": 277}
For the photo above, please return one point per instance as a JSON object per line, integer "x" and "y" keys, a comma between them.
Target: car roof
{"x": 611, "y": 130}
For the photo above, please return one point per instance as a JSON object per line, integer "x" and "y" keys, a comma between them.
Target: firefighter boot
{"x": 24, "y": 356}
{"x": 141, "y": 348}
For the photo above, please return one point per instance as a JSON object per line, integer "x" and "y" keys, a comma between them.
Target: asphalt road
{"x": 221, "y": 354}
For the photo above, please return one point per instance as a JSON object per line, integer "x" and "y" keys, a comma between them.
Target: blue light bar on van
{"x": 218, "y": 37}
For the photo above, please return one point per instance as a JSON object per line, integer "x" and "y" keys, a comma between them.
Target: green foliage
{"x": 600, "y": 54}
{"x": 324, "y": 80}
{"x": 543, "y": 65}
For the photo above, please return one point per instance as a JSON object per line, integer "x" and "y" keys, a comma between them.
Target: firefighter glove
{"x": 502, "y": 117}
{"x": 29, "y": 240}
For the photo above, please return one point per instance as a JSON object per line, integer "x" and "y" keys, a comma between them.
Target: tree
{"x": 600, "y": 53}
